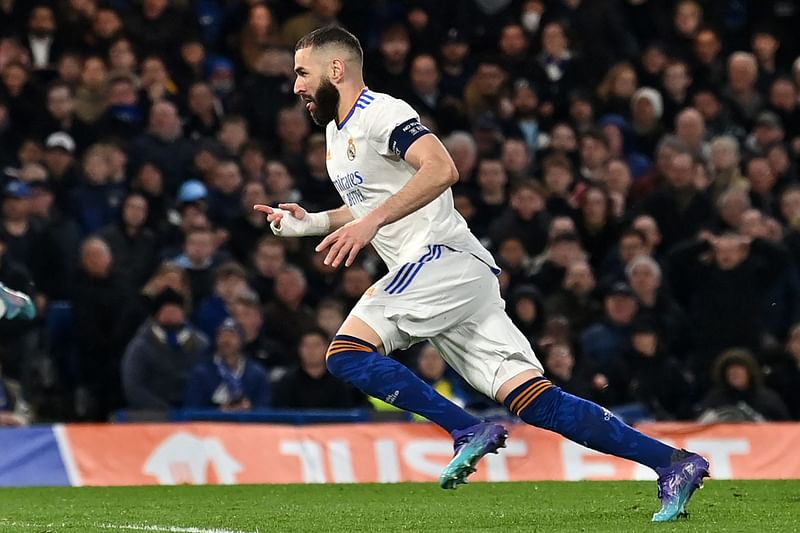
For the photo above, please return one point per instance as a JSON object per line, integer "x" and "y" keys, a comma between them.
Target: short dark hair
{"x": 331, "y": 35}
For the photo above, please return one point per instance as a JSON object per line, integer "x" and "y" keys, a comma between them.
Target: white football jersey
{"x": 366, "y": 165}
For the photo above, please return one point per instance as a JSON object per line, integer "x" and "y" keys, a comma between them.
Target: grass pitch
{"x": 722, "y": 506}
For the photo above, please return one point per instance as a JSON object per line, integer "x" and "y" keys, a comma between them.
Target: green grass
{"x": 723, "y": 506}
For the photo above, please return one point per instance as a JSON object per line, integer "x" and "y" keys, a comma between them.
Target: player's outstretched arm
{"x": 291, "y": 220}
{"x": 435, "y": 173}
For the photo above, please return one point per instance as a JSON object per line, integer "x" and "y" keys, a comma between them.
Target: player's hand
{"x": 274, "y": 216}
{"x": 347, "y": 241}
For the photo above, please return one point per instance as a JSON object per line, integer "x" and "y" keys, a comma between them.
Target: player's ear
{"x": 336, "y": 70}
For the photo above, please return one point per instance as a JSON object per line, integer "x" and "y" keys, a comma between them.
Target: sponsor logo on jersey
{"x": 351, "y": 149}
{"x": 348, "y": 186}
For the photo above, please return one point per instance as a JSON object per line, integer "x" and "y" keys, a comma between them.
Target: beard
{"x": 326, "y": 103}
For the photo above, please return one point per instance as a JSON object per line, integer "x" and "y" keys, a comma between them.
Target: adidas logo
{"x": 392, "y": 397}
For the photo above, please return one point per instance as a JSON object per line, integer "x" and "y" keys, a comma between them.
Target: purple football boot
{"x": 677, "y": 483}
{"x": 471, "y": 444}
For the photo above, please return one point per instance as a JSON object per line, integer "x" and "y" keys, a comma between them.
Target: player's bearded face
{"x": 326, "y": 102}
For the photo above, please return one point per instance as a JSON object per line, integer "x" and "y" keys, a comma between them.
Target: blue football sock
{"x": 539, "y": 403}
{"x": 358, "y": 362}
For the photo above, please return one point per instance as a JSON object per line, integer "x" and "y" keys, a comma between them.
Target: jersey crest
{"x": 351, "y": 149}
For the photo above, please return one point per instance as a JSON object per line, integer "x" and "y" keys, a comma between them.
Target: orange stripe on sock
{"x": 531, "y": 392}
{"x": 521, "y": 397}
{"x": 354, "y": 347}
{"x": 349, "y": 343}
{"x": 339, "y": 349}
{"x": 539, "y": 391}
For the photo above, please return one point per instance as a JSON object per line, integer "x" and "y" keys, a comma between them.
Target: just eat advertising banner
{"x": 214, "y": 453}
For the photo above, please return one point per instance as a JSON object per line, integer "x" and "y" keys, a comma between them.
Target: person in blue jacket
{"x": 229, "y": 381}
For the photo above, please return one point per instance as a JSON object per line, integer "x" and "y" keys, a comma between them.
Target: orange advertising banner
{"x": 216, "y": 453}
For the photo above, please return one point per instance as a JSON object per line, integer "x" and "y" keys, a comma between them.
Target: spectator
{"x": 463, "y": 150}
{"x": 647, "y": 108}
{"x": 260, "y": 32}
{"x": 525, "y": 218}
{"x": 204, "y": 112}
{"x": 61, "y": 117}
{"x": 137, "y": 308}
{"x": 587, "y": 382}
{"x": 631, "y": 246}
{"x": 164, "y": 145}
{"x": 655, "y": 378}
{"x": 723, "y": 298}
{"x": 597, "y": 225}
{"x": 725, "y": 161}
{"x": 739, "y": 393}
{"x": 527, "y": 311}
{"x": 492, "y": 199}
{"x": 95, "y": 201}
{"x": 679, "y": 208}
{"x": 605, "y": 342}
{"x": 655, "y": 302}
{"x": 257, "y": 344}
{"x": 225, "y": 194}
{"x": 159, "y": 359}
{"x": 132, "y": 244}
{"x": 577, "y": 298}
{"x": 287, "y": 314}
{"x": 310, "y": 385}
{"x": 676, "y": 81}
{"x": 548, "y": 269}
{"x": 322, "y": 13}
{"x": 199, "y": 259}
{"x": 388, "y": 67}
{"x": 741, "y": 89}
{"x": 41, "y": 40}
{"x": 433, "y": 370}
{"x": 91, "y": 95}
{"x": 158, "y": 26}
{"x": 617, "y": 88}
{"x": 230, "y": 282}
{"x": 783, "y": 376}
{"x": 268, "y": 260}
{"x": 97, "y": 294}
{"x": 231, "y": 381}
{"x": 330, "y": 316}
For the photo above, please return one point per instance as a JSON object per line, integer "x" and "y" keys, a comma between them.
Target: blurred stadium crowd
{"x": 633, "y": 164}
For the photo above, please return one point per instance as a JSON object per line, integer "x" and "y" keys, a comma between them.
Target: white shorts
{"x": 452, "y": 299}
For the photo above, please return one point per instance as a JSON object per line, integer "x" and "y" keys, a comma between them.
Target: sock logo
{"x": 392, "y": 397}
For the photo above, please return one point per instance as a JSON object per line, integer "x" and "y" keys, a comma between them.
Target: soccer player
{"x": 394, "y": 178}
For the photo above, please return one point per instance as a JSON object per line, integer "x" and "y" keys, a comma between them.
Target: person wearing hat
{"x": 21, "y": 230}
{"x": 158, "y": 360}
{"x": 230, "y": 381}
{"x": 605, "y": 342}
{"x": 455, "y": 63}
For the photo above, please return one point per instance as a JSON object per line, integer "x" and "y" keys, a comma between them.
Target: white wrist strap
{"x": 311, "y": 224}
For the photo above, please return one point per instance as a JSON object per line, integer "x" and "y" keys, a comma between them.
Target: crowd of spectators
{"x": 633, "y": 165}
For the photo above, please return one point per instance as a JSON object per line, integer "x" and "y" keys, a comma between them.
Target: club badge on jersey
{"x": 351, "y": 149}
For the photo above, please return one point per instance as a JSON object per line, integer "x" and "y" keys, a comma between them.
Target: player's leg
{"x": 354, "y": 356}
{"x": 532, "y": 397}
